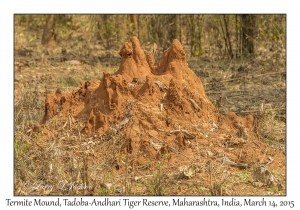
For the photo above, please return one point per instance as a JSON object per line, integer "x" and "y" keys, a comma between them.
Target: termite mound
{"x": 150, "y": 105}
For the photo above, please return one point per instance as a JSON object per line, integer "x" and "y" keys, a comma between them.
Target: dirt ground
{"x": 133, "y": 124}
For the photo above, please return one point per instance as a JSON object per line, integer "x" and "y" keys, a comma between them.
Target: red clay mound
{"x": 158, "y": 109}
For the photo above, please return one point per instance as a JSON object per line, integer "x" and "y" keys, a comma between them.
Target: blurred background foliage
{"x": 230, "y": 35}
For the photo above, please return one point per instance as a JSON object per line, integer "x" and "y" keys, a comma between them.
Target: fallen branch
{"x": 163, "y": 142}
{"x": 226, "y": 161}
{"x": 176, "y": 150}
{"x": 119, "y": 126}
{"x": 248, "y": 111}
{"x": 138, "y": 81}
{"x": 196, "y": 106}
{"x": 246, "y": 77}
{"x": 185, "y": 133}
{"x": 161, "y": 85}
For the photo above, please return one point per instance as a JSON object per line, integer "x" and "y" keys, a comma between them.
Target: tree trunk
{"x": 227, "y": 35}
{"x": 177, "y": 26}
{"x": 49, "y": 34}
{"x": 248, "y": 33}
{"x": 237, "y": 54}
{"x": 193, "y": 34}
{"x": 173, "y": 28}
{"x": 134, "y": 22}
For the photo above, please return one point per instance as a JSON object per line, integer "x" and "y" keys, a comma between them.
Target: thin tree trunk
{"x": 134, "y": 21}
{"x": 180, "y": 28}
{"x": 236, "y": 37}
{"x": 107, "y": 32}
{"x": 172, "y": 28}
{"x": 228, "y": 37}
{"x": 177, "y": 27}
{"x": 248, "y": 33}
{"x": 49, "y": 31}
{"x": 224, "y": 37}
{"x": 193, "y": 33}
{"x": 199, "y": 40}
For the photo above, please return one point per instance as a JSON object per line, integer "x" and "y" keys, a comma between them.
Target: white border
{"x": 8, "y": 8}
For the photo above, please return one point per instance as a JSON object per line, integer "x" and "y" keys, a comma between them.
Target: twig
{"x": 210, "y": 178}
{"x": 256, "y": 144}
{"x": 226, "y": 91}
{"x": 280, "y": 72}
{"x": 196, "y": 106}
{"x": 161, "y": 85}
{"x": 176, "y": 150}
{"x": 246, "y": 111}
{"x": 259, "y": 75}
{"x": 264, "y": 156}
{"x": 229, "y": 162}
{"x": 229, "y": 101}
{"x": 185, "y": 132}
{"x": 163, "y": 142}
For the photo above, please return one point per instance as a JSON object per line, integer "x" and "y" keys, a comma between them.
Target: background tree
{"x": 225, "y": 31}
{"x": 134, "y": 24}
{"x": 248, "y": 24}
{"x": 201, "y": 34}
{"x": 49, "y": 34}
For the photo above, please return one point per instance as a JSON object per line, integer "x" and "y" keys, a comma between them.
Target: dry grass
{"x": 72, "y": 163}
